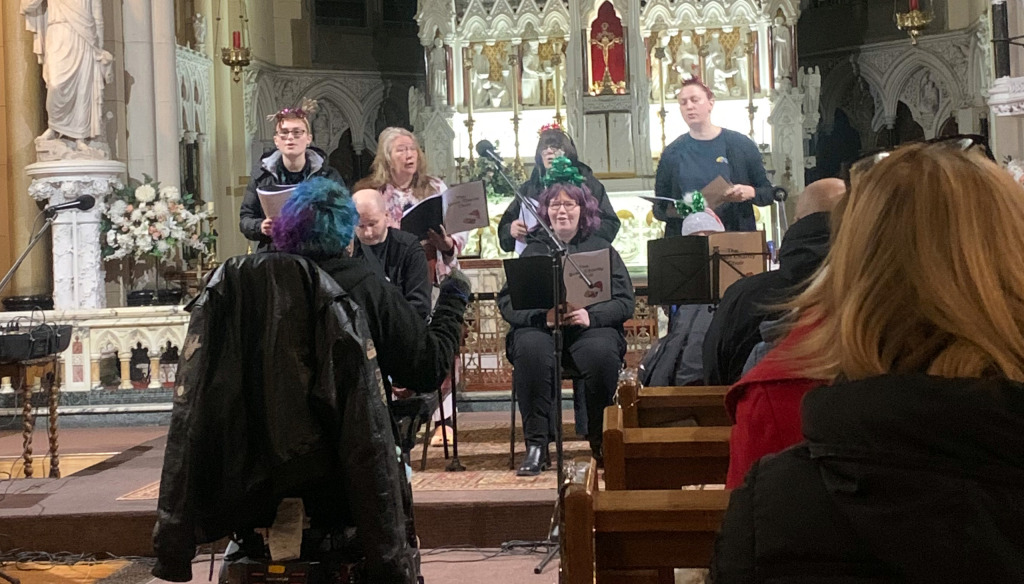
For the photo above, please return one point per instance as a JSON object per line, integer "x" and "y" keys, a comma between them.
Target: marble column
{"x": 77, "y": 264}
{"x": 165, "y": 95}
{"x": 24, "y": 100}
{"x": 141, "y": 103}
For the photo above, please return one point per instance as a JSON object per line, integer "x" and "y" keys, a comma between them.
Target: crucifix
{"x": 606, "y": 40}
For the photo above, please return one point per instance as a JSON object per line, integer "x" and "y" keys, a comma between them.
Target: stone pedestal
{"x": 77, "y": 265}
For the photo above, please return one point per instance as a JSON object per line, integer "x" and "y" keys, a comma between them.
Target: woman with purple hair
{"x": 594, "y": 341}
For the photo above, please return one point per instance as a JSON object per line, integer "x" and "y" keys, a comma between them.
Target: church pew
{"x": 662, "y": 458}
{"x": 650, "y": 407}
{"x": 638, "y": 537}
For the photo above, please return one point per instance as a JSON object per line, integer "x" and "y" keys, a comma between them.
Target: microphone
{"x": 82, "y": 203}
{"x": 485, "y": 149}
{"x": 780, "y": 194}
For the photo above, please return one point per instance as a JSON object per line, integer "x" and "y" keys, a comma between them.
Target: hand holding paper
{"x": 719, "y": 191}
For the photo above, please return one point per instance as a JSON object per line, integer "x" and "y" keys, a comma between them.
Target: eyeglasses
{"x": 971, "y": 143}
{"x": 567, "y": 205}
{"x": 404, "y": 149}
{"x": 284, "y": 134}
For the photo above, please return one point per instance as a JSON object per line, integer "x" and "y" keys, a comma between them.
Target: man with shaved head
{"x": 752, "y": 301}
{"x": 394, "y": 255}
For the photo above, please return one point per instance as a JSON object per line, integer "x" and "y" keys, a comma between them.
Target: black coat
{"x": 612, "y": 313}
{"x": 532, "y": 189}
{"x": 414, "y": 354}
{"x": 745, "y": 167}
{"x": 267, "y": 173}
{"x": 279, "y": 395}
{"x": 405, "y": 266}
{"x": 908, "y": 478}
{"x": 735, "y": 329}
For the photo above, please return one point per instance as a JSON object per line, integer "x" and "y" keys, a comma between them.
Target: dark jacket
{"x": 745, "y": 168}
{"x": 735, "y": 329}
{"x": 535, "y": 186}
{"x": 404, "y": 265}
{"x": 267, "y": 173}
{"x": 279, "y": 395}
{"x": 612, "y": 313}
{"x": 414, "y": 354}
{"x": 902, "y": 478}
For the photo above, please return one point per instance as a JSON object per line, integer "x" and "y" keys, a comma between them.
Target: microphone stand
{"x": 31, "y": 243}
{"x": 560, "y": 253}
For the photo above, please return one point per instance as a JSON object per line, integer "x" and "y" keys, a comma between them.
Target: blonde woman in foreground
{"x": 912, "y": 467}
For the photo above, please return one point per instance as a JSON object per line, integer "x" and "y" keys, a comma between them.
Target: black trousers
{"x": 595, "y": 352}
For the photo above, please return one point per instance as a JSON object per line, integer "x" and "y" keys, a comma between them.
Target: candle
{"x": 913, "y": 5}
{"x": 236, "y": 39}
{"x": 209, "y": 207}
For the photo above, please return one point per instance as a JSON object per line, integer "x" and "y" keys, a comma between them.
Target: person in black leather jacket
{"x": 594, "y": 337}
{"x": 912, "y": 465}
{"x": 294, "y": 160}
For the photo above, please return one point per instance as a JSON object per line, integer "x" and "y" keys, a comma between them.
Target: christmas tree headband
{"x": 692, "y": 202}
{"x": 562, "y": 171}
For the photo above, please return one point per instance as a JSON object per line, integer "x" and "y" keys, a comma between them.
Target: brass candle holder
{"x": 914, "y": 22}
{"x": 237, "y": 59}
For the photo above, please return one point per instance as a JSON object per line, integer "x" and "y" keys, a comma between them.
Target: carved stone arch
{"x": 745, "y": 12}
{"x": 435, "y": 17}
{"x": 555, "y": 19}
{"x": 789, "y": 9}
{"x": 657, "y": 14}
{"x": 503, "y": 26}
{"x": 502, "y": 8}
{"x": 366, "y": 139}
{"x": 528, "y": 20}
{"x": 689, "y": 16}
{"x": 714, "y": 15}
{"x": 475, "y": 28}
{"x": 842, "y": 78}
{"x": 906, "y": 69}
{"x": 339, "y": 93}
{"x": 102, "y": 340}
{"x": 172, "y": 334}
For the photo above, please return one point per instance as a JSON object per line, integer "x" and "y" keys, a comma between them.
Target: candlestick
{"x": 556, "y": 60}
{"x": 236, "y": 39}
{"x": 469, "y": 98}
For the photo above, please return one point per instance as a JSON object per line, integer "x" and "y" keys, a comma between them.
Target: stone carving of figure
{"x": 739, "y": 61}
{"x": 783, "y": 42}
{"x": 438, "y": 74}
{"x": 535, "y": 74}
{"x": 714, "y": 62}
{"x": 930, "y": 94}
{"x": 417, "y": 104}
{"x": 199, "y": 30}
{"x": 812, "y": 90}
{"x": 686, "y": 58}
{"x": 481, "y": 77}
{"x": 69, "y": 45}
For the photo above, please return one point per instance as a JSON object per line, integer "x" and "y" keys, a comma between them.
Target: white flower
{"x": 162, "y": 247}
{"x": 170, "y": 194}
{"x": 111, "y": 238}
{"x": 151, "y": 214}
{"x": 136, "y": 215}
{"x": 160, "y": 208}
{"x": 145, "y": 193}
{"x": 125, "y": 241}
{"x": 117, "y": 209}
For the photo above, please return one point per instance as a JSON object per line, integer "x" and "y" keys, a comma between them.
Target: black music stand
{"x": 693, "y": 270}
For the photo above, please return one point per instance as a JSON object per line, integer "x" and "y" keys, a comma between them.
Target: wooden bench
{"x": 639, "y": 537}
{"x": 662, "y": 458}
{"x": 650, "y": 407}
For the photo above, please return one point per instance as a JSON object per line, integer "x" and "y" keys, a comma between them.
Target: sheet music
{"x": 273, "y": 198}
{"x": 598, "y": 267}
{"x": 526, "y": 217}
{"x": 465, "y": 207}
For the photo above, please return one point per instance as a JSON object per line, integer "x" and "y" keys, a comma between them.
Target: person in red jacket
{"x": 765, "y": 406}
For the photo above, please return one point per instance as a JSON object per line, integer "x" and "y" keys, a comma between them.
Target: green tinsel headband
{"x": 562, "y": 171}
{"x": 692, "y": 202}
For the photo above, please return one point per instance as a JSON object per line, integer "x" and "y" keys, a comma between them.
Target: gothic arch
{"x": 834, "y": 87}
{"x": 905, "y": 72}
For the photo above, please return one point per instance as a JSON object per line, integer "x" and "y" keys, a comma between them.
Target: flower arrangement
{"x": 1016, "y": 168}
{"x": 151, "y": 220}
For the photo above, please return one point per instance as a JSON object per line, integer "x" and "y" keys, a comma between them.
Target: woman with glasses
{"x": 912, "y": 464}
{"x": 515, "y": 224}
{"x": 704, "y": 153}
{"x": 293, "y": 161}
{"x": 594, "y": 341}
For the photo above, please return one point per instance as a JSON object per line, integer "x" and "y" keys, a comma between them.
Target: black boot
{"x": 536, "y": 460}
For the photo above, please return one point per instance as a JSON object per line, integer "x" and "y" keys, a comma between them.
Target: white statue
{"x": 535, "y": 73}
{"x": 417, "y": 104}
{"x": 716, "y": 75}
{"x": 740, "y": 65}
{"x": 438, "y": 74}
{"x": 199, "y": 30}
{"x": 69, "y": 45}
{"x": 687, "y": 59}
{"x": 481, "y": 77}
{"x": 811, "y": 84}
{"x": 783, "y": 43}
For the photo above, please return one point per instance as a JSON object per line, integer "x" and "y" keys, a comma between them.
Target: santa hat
{"x": 702, "y": 221}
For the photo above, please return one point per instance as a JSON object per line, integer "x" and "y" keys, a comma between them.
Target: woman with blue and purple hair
{"x": 594, "y": 340}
